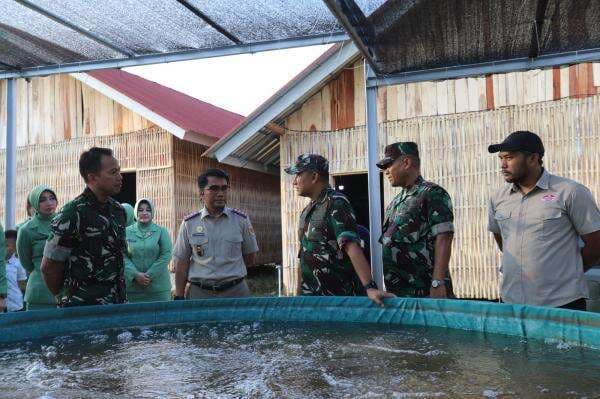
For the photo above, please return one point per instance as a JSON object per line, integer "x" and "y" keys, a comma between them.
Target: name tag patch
{"x": 549, "y": 198}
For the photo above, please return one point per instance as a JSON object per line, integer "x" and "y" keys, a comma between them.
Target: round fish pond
{"x": 301, "y": 348}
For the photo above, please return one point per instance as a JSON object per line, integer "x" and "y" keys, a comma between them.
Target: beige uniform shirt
{"x": 214, "y": 245}
{"x": 541, "y": 257}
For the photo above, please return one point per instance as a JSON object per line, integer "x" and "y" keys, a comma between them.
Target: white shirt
{"x": 14, "y": 273}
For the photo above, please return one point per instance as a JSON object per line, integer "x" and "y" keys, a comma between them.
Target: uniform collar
{"x": 143, "y": 231}
{"x": 90, "y": 196}
{"x": 418, "y": 182}
{"x": 542, "y": 183}
{"x": 204, "y": 212}
{"x": 323, "y": 195}
{"x": 39, "y": 224}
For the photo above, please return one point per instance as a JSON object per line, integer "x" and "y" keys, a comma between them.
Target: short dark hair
{"x": 203, "y": 178}
{"x": 90, "y": 161}
{"x": 323, "y": 175}
{"x": 10, "y": 234}
{"x": 527, "y": 153}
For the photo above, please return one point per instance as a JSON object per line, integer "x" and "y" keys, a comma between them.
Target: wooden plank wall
{"x": 341, "y": 103}
{"x": 257, "y": 194}
{"x": 58, "y": 108}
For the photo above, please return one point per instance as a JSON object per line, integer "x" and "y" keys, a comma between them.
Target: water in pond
{"x": 293, "y": 360}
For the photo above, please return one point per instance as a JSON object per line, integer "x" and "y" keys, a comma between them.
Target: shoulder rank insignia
{"x": 240, "y": 213}
{"x": 191, "y": 216}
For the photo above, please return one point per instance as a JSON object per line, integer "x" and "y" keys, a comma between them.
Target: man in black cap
{"x": 331, "y": 259}
{"x": 537, "y": 220}
{"x": 417, "y": 229}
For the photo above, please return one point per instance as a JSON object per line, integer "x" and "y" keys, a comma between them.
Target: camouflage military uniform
{"x": 412, "y": 220}
{"x": 89, "y": 236}
{"x": 326, "y": 226}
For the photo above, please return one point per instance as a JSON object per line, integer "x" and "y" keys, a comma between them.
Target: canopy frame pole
{"x": 373, "y": 174}
{"x": 11, "y": 155}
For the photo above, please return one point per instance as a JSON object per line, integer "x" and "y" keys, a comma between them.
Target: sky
{"x": 238, "y": 83}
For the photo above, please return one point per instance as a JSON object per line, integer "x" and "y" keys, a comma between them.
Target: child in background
{"x": 16, "y": 276}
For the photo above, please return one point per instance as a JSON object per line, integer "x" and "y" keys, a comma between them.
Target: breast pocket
{"x": 504, "y": 220}
{"x": 233, "y": 246}
{"x": 553, "y": 221}
{"x": 200, "y": 247}
{"x": 316, "y": 230}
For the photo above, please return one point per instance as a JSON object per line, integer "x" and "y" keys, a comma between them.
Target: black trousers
{"x": 578, "y": 304}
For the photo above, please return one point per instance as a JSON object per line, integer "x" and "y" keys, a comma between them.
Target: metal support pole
{"x": 374, "y": 185}
{"x": 279, "y": 271}
{"x": 11, "y": 155}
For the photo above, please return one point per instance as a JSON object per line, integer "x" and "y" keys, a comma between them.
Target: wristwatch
{"x": 371, "y": 284}
{"x": 437, "y": 283}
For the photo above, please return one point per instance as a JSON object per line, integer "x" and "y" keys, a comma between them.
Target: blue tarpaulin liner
{"x": 572, "y": 327}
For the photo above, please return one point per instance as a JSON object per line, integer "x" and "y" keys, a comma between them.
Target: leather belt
{"x": 218, "y": 287}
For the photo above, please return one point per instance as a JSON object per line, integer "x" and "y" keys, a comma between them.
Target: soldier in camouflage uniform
{"x": 83, "y": 257}
{"x": 417, "y": 229}
{"x": 331, "y": 260}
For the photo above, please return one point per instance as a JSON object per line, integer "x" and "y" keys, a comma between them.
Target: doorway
{"x": 128, "y": 190}
{"x": 356, "y": 188}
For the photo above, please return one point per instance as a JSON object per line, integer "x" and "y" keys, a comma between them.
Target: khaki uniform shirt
{"x": 215, "y": 245}
{"x": 541, "y": 261}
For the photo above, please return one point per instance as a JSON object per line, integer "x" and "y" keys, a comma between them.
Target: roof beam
{"x": 284, "y": 101}
{"x": 256, "y": 146}
{"x": 8, "y": 66}
{"x": 536, "y": 31}
{"x": 242, "y": 163}
{"x": 360, "y": 30}
{"x": 186, "y": 55}
{"x": 463, "y": 71}
{"x": 85, "y": 32}
{"x": 209, "y": 21}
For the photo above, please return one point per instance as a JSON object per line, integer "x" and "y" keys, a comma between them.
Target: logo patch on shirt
{"x": 549, "y": 198}
{"x": 200, "y": 229}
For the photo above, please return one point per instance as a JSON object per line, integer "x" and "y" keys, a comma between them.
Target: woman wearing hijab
{"x": 31, "y": 240}
{"x": 129, "y": 213}
{"x": 148, "y": 254}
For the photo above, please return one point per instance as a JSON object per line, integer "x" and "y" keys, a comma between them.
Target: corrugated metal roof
{"x": 187, "y": 112}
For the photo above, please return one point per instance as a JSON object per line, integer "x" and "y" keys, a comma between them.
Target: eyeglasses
{"x": 215, "y": 188}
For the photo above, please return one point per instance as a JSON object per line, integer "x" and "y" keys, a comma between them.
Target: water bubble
{"x": 490, "y": 393}
{"x": 125, "y": 336}
{"x": 98, "y": 338}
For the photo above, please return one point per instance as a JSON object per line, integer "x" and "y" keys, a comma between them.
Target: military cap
{"x": 395, "y": 151}
{"x": 313, "y": 162}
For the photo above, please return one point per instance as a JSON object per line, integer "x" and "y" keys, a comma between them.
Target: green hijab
{"x": 34, "y": 200}
{"x": 130, "y": 214}
{"x": 152, "y": 212}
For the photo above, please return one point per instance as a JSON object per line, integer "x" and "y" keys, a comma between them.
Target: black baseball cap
{"x": 521, "y": 140}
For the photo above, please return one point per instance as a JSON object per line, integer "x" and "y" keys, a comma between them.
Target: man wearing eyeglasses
{"x": 214, "y": 246}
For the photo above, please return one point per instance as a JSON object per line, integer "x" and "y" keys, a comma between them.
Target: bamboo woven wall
{"x": 454, "y": 154}
{"x": 254, "y": 193}
{"x": 148, "y": 152}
